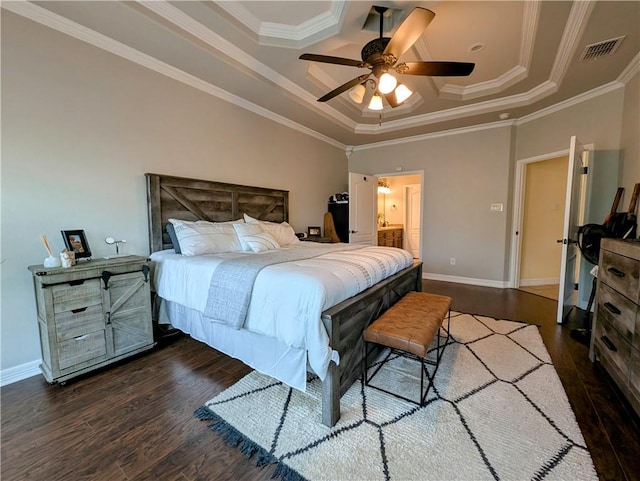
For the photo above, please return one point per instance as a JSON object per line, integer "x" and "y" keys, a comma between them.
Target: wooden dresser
{"x": 615, "y": 341}
{"x": 390, "y": 236}
{"x": 92, "y": 314}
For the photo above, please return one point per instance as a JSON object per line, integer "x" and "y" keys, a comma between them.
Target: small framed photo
{"x": 314, "y": 231}
{"x": 76, "y": 241}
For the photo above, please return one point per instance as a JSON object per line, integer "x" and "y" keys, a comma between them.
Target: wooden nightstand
{"x": 92, "y": 314}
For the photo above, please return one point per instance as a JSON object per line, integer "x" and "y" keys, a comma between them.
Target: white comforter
{"x": 287, "y": 298}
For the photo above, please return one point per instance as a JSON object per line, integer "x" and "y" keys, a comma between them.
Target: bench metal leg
{"x": 423, "y": 365}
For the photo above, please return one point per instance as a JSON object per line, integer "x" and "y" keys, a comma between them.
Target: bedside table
{"x": 324, "y": 240}
{"x": 92, "y": 314}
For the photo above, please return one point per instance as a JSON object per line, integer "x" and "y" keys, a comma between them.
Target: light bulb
{"x": 376, "y": 103}
{"x": 387, "y": 83}
{"x": 402, "y": 93}
{"x": 357, "y": 93}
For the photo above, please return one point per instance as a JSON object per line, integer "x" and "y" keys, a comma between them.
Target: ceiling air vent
{"x": 600, "y": 49}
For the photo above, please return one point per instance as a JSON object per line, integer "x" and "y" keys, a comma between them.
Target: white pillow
{"x": 202, "y": 237}
{"x": 261, "y": 242}
{"x": 282, "y": 233}
{"x": 244, "y": 230}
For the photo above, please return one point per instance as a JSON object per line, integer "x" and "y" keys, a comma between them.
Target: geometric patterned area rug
{"x": 497, "y": 411}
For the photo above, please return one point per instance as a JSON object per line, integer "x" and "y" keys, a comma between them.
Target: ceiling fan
{"x": 381, "y": 56}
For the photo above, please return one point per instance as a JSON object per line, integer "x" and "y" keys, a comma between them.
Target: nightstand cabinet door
{"x": 128, "y": 310}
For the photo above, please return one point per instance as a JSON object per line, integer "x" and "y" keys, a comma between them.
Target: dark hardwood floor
{"x": 135, "y": 420}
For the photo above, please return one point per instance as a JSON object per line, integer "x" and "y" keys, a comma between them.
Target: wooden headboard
{"x": 192, "y": 199}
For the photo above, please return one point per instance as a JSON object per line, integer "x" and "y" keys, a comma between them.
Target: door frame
{"x": 518, "y": 206}
{"x": 401, "y": 174}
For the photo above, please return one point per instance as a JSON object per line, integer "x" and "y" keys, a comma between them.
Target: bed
{"x": 341, "y": 321}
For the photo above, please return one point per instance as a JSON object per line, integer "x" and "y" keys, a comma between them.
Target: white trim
{"x": 518, "y": 204}
{"x": 579, "y": 15}
{"x": 320, "y": 27}
{"x": 591, "y": 94}
{"x": 575, "y": 27}
{"x": 61, "y": 24}
{"x": 539, "y": 282}
{"x": 465, "y": 280}
{"x": 630, "y": 71}
{"x": 18, "y": 373}
{"x": 530, "y": 17}
{"x": 434, "y": 135}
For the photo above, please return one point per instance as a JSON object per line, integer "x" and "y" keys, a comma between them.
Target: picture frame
{"x": 76, "y": 241}
{"x": 313, "y": 231}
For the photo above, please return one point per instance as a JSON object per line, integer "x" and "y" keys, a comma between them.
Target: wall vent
{"x": 600, "y": 49}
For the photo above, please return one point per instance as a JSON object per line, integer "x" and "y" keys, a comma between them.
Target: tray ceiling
{"x": 528, "y": 56}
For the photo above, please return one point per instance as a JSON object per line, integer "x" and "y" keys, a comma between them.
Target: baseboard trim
{"x": 18, "y": 373}
{"x": 539, "y": 282}
{"x": 466, "y": 280}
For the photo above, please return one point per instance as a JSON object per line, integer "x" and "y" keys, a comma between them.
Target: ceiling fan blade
{"x": 335, "y": 60}
{"x": 344, "y": 88}
{"x": 436, "y": 69}
{"x": 409, "y": 31}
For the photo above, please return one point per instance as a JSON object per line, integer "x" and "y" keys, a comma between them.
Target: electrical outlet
{"x": 452, "y": 261}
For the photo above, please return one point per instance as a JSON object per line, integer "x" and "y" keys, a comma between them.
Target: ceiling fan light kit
{"x": 376, "y": 103}
{"x": 387, "y": 83}
{"x": 381, "y": 55}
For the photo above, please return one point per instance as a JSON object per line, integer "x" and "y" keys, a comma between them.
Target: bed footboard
{"x": 345, "y": 323}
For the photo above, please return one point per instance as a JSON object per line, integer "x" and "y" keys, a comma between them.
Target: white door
{"x": 570, "y": 231}
{"x": 362, "y": 213}
{"x": 413, "y": 203}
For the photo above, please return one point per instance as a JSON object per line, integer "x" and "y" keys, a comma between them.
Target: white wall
{"x": 80, "y": 127}
{"x": 463, "y": 175}
{"x": 466, "y": 171}
{"x": 630, "y": 140}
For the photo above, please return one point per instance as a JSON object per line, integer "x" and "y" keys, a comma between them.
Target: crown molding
{"x": 591, "y": 94}
{"x": 530, "y": 17}
{"x": 433, "y": 135}
{"x": 49, "y": 19}
{"x": 580, "y": 14}
{"x": 573, "y": 30}
{"x": 274, "y": 34}
{"x": 630, "y": 70}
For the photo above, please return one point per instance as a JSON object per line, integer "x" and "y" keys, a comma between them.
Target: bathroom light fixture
{"x": 383, "y": 188}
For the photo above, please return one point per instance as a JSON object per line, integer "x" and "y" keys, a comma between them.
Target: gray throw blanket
{"x": 232, "y": 281}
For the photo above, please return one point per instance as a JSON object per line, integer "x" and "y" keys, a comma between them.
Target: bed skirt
{"x": 264, "y": 354}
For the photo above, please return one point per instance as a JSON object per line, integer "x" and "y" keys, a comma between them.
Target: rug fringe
{"x": 285, "y": 473}
{"x": 246, "y": 446}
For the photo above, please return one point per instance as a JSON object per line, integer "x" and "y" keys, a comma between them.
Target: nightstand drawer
{"x": 79, "y": 321}
{"x": 621, "y": 273}
{"x": 614, "y": 348}
{"x": 72, "y": 296}
{"x": 617, "y": 310}
{"x": 82, "y": 348}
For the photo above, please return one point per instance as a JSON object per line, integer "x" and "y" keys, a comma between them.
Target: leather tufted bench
{"x": 408, "y": 329}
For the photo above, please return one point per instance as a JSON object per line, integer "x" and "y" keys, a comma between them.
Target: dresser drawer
{"x": 617, "y": 310}
{"x": 621, "y": 273}
{"x": 613, "y": 347}
{"x": 634, "y": 375}
{"x": 91, "y": 346}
